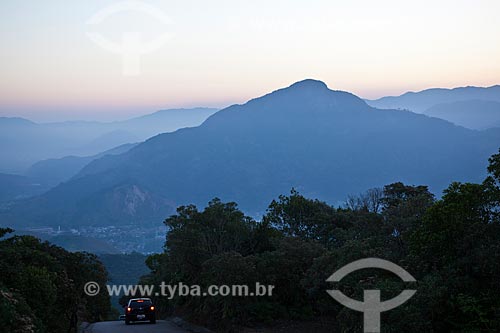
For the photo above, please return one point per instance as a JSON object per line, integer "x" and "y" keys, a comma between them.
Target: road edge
{"x": 85, "y": 328}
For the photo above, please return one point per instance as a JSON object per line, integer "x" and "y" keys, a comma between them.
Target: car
{"x": 140, "y": 309}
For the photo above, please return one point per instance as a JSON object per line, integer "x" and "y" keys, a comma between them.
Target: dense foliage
{"x": 451, "y": 246}
{"x": 41, "y": 287}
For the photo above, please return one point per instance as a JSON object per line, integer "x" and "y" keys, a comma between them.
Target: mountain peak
{"x": 294, "y": 103}
{"x": 309, "y": 84}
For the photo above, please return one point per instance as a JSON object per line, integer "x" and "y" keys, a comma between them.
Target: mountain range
{"x": 54, "y": 171}
{"x": 23, "y": 142}
{"x": 471, "y": 107}
{"x": 325, "y": 143}
{"x": 44, "y": 175}
{"x": 475, "y": 114}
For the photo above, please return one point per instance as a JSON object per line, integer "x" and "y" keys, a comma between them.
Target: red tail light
{"x": 129, "y": 309}
{"x": 152, "y": 308}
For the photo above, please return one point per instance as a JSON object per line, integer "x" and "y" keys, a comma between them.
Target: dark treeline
{"x": 42, "y": 287}
{"x": 451, "y": 246}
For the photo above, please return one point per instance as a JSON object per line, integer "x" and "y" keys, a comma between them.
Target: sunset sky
{"x": 220, "y": 52}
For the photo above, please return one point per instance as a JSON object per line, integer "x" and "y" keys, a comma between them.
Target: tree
{"x": 370, "y": 201}
{"x": 195, "y": 237}
{"x": 459, "y": 240}
{"x": 297, "y": 216}
{"x": 402, "y": 208}
{"x": 49, "y": 281}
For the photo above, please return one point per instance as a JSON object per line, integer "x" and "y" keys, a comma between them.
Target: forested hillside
{"x": 42, "y": 287}
{"x": 451, "y": 246}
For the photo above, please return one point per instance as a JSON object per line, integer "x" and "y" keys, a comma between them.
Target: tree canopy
{"x": 451, "y": 245}
{"x": 41, "y": 286}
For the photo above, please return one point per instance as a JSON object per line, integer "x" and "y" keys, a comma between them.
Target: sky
{"x": 106, "y": 60}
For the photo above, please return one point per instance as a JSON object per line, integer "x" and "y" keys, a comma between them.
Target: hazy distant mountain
{"x": 54, "y": 171}
{"x": 23, "y": 142}
{"x": 471, "y": 107}
{"x": 44, "y": 175}
{"x": 17, "y": 187}
{"x": 15, "y": 122}
{"x": 165, "y": 121}
{"x": 325, "y": 143}
{"x": 474, "y": 114}
{"x": 423, "y": 100}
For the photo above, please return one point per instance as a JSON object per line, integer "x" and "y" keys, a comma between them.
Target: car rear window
{"x": 139, "y": 304}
